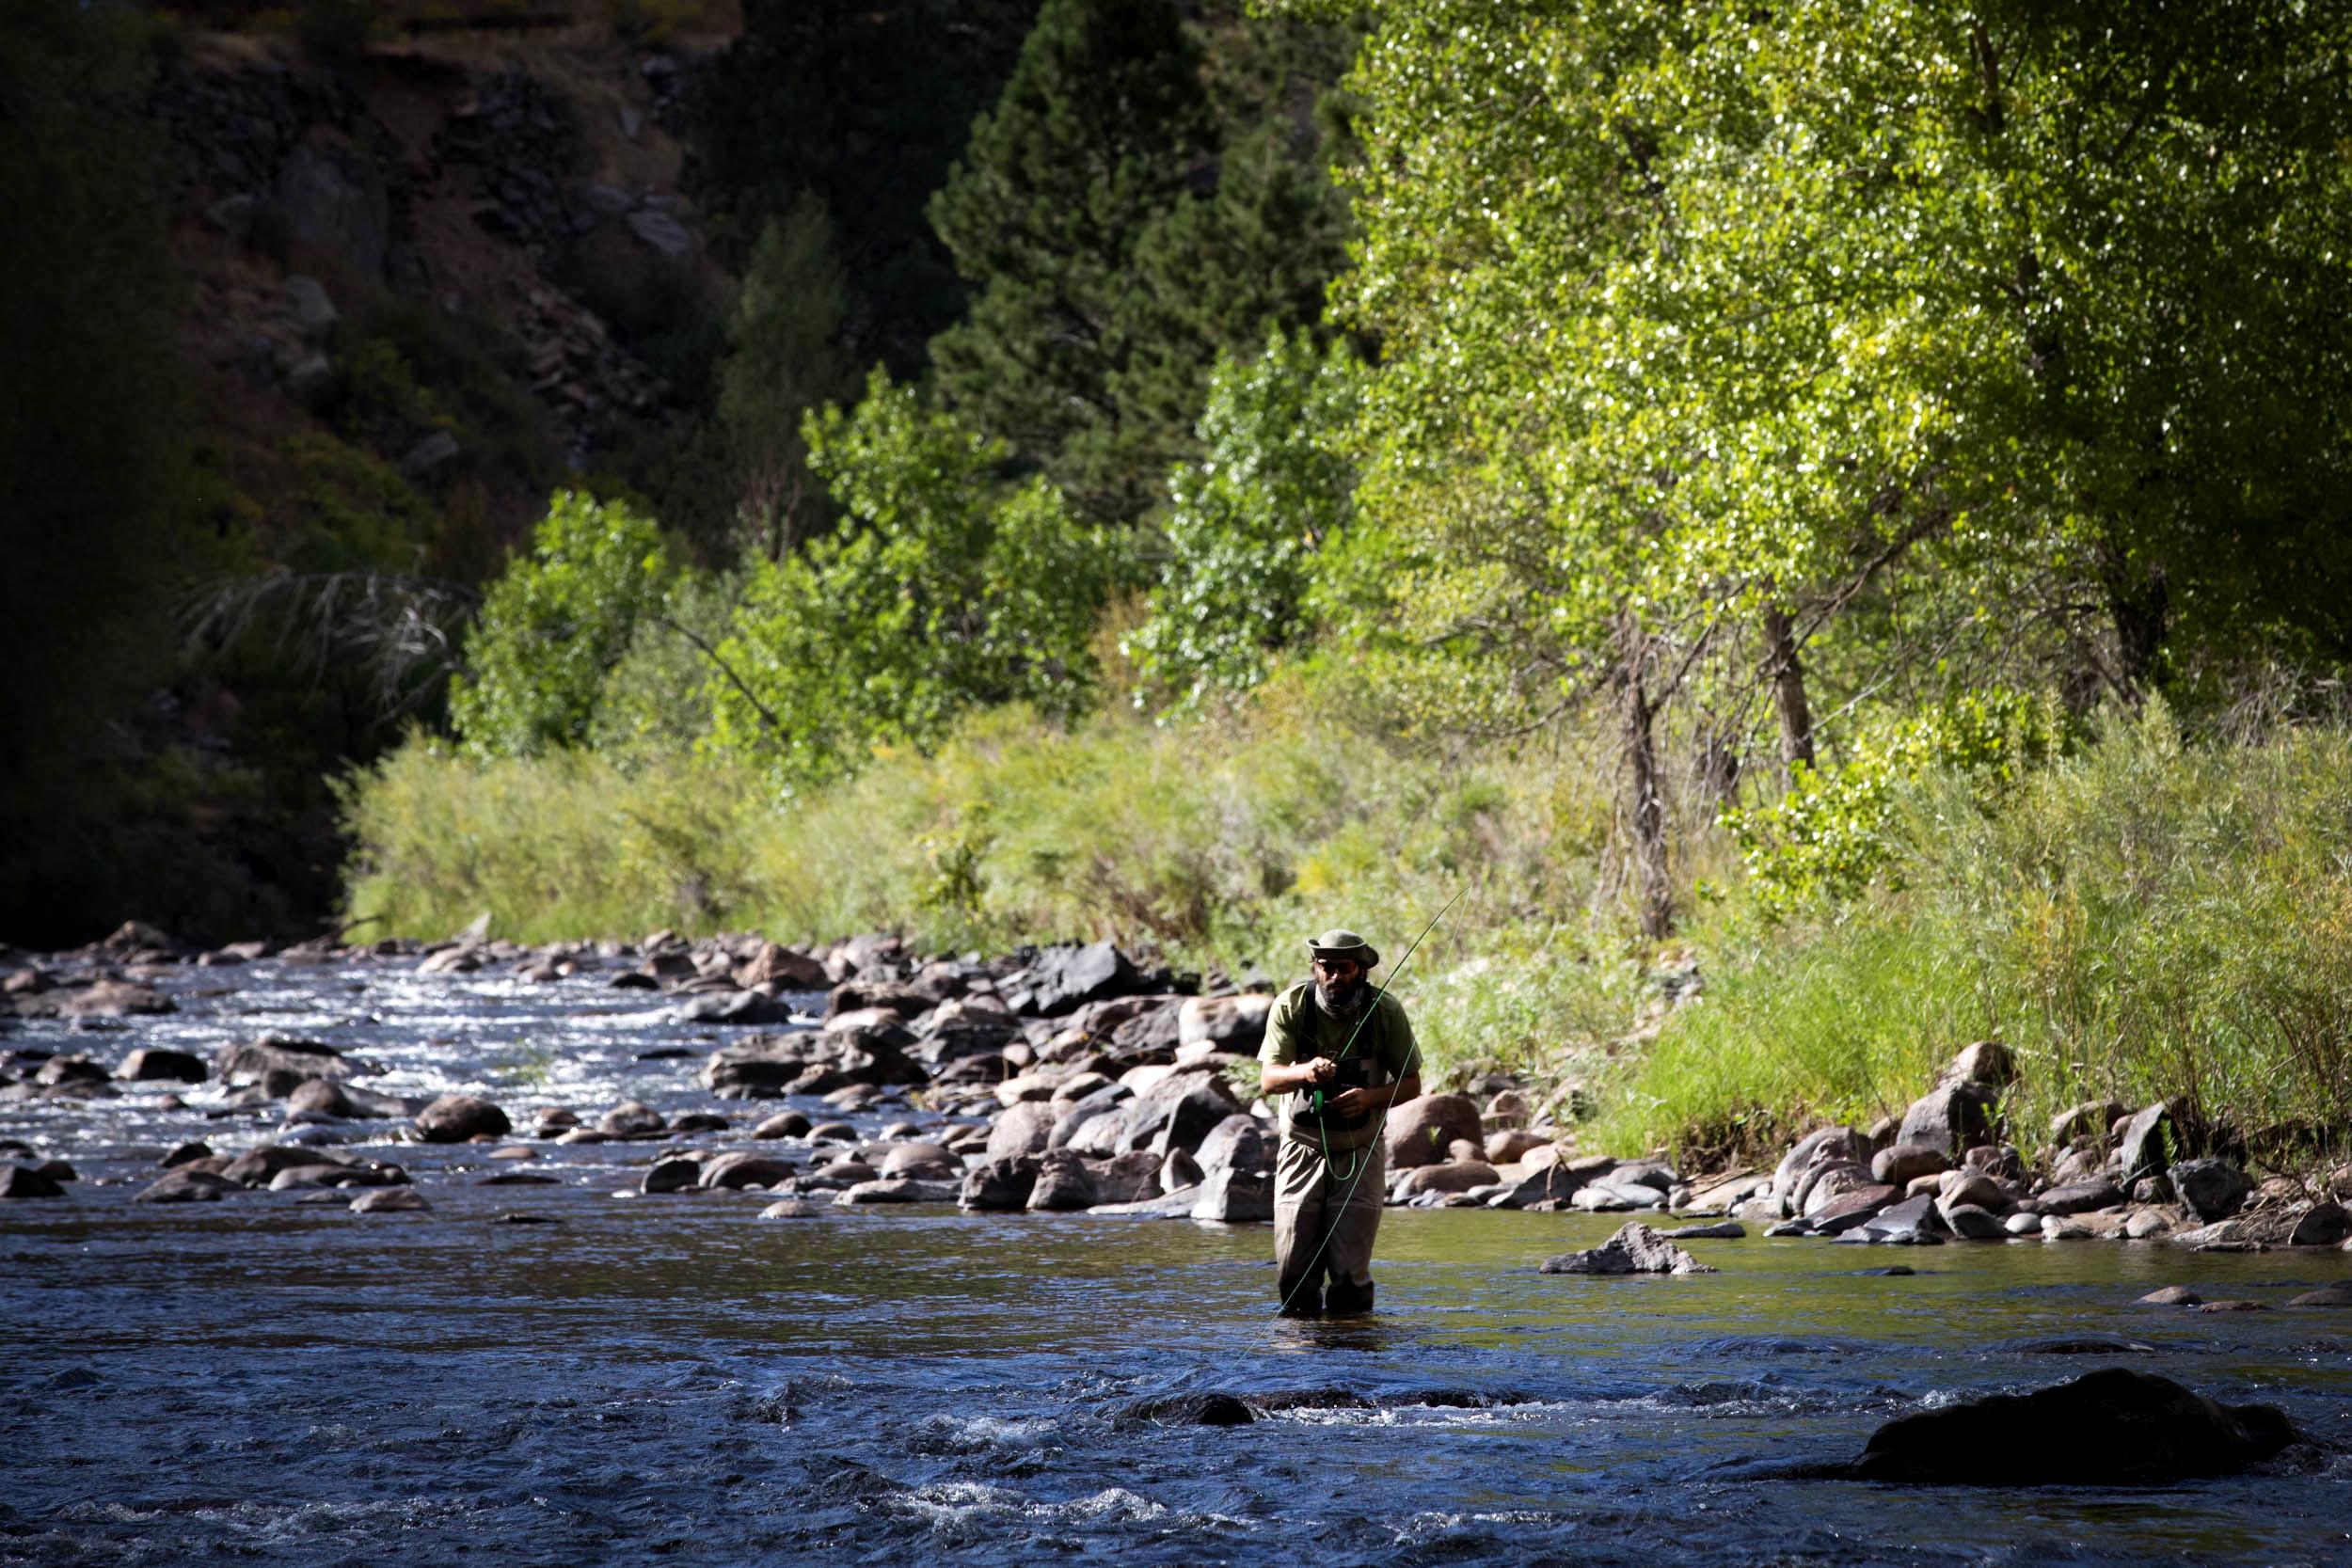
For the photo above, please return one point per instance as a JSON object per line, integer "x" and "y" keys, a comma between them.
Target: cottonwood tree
{"x": 1708, "y": 325}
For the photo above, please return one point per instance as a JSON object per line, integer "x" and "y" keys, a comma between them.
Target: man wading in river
{"x": 1341, "y": 1054}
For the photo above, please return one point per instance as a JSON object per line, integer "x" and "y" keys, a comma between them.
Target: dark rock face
{"x": 2322, "y": 1224}
{"x": 2114, "y": 1427}
{"x": 1067, "y": 977}
{"x": 2212, "y": 1189}
{"x": 160, "y": 1063}
{"x": 1634, "y": 1249}
{"x": 455, "y": 1118}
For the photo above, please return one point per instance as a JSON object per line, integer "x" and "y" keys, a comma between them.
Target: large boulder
{"x": 1952, "y": 1119}
{"x": 1085, "y": 1111}
{"x": 999, "y": 1186}
{"x": 1064, "y": 1181}
{"x": 1634, "y": 1249}
{"x": 455, "y": 1118}
{"x": 2212, "y": 1188}
{"x": 1419, "y": 1132}
{"x": 152, "y": 1064}
{"x": 323, "y": 1097}
{"x": 1229, "y": 1196}
{"x": 1241, "y": 1142}
{"x": 782, "y": 968}
{"x": 2115, "y": 1427}
{"x": 1843, "y": 1144}
{"x": 1066, "y": 978}
{"x": 1987, "y": 1062}
{"x": 2323, "y": 1224}
{"x": 2148, "y": 1142}
{"x": 1022, "y": 1128}
{"x": 1178, "y": 1112}
{"x": 1227, "y": 1023}
{"x": 631, "y": 1119}
{"x": 2079, "y": 1197}
{"x": 1901, "y": 1163}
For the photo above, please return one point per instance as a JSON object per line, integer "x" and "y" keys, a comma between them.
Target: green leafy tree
{"x": 1246, "y": 521}
{"x": 554, "y": 624}
{"x": 947, "y": 589}
{"x": 1702, "y": 330}
{"x": 1098, "y": 128}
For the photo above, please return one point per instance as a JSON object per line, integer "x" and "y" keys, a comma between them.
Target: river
{"x": 672, "y": 1378}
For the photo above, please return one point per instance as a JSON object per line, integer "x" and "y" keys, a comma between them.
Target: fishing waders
{"x": 1327, "y": 1212}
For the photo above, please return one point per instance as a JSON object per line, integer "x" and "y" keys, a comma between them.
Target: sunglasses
{"x": 1338, "y": 967}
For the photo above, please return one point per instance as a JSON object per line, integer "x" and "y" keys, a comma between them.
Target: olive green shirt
{"x": 1296, "y": 1030}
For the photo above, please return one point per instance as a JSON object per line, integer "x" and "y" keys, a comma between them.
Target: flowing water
{"x": 674, "y": 1380}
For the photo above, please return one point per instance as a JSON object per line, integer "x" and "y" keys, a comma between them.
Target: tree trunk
{"x": 2140, "y": 602}
{"x": 1796, "y": 713}
{"x": 1648, "y": 808}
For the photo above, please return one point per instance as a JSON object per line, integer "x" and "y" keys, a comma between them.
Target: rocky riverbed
{"x": 472, "y": 1257}
{"x": 1070, "y": 1078}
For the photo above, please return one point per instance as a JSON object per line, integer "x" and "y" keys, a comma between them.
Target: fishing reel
{"x": 1353, "y": 1072}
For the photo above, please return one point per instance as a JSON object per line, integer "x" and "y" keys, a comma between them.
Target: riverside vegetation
{"x": 1826, "y": 529}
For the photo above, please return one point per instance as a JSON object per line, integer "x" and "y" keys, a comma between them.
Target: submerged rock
{"x": 28, "y": 1182}
{"x": 2112, "y": 1427}
{"x": 1634, "y": 1249}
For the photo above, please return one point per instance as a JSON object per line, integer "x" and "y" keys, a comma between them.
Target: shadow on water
{"x": 672, "y": 1378}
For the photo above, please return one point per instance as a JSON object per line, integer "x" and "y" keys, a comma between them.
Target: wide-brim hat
{"x": 1340, "y": 944}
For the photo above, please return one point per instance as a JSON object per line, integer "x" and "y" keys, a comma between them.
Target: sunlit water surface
{"x": 673, "y": 1379}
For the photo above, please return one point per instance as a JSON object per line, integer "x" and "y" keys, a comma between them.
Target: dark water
{"x": 671, "y": 1379}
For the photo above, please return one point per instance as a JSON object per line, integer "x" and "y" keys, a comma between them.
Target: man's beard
{"x": 1340, "y": 998}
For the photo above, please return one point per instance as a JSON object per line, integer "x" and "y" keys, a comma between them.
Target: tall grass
{"x": 1215, "y": 843}
{"x": 2144, "y": 920}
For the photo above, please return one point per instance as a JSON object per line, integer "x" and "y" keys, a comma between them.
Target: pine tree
{"x": 1097, "y": 134}
{"x": 783, "y": 360}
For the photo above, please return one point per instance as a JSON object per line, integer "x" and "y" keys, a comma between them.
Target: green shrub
{"x": 947, "y": 590}
{"x": 553, "y": 627}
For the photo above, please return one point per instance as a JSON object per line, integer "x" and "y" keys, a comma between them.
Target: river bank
{"x": 1058, "y": 1079}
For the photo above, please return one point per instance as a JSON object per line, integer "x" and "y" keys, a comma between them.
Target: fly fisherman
{"x": 1341, "y": 1053}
